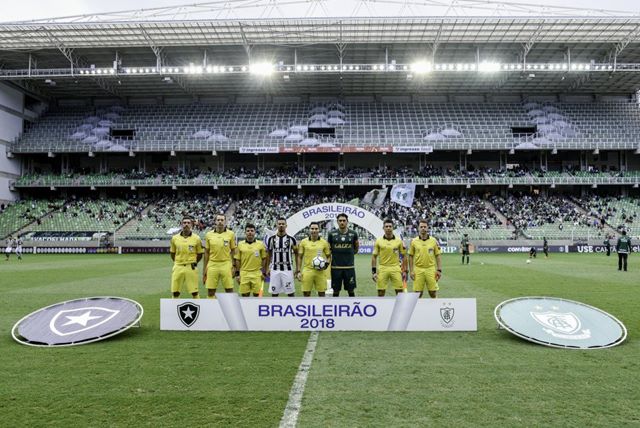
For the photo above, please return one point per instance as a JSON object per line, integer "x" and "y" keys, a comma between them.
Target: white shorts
{"x": 8, "y": 250}
{"x": 282, "y": 281}
{"x": 19, "y": 250}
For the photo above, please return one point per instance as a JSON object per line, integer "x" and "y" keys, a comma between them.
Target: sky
{"x": 24, "y": 10}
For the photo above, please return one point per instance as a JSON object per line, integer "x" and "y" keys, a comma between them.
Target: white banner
{"x": 405, "y": 312}
{"x": 259, "y": 149}
{"x": 323, "y": 212}
{"x": 413, "y": 149}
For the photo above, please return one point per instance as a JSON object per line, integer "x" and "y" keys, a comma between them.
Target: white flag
{"x": 375, "y": 197}
{"x": 403, "y": 194}
{"x": 379, "y": 199}
{"x": 368, "y": 197}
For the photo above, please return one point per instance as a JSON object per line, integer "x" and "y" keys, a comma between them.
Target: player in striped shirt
{"x": 282, "y": 250}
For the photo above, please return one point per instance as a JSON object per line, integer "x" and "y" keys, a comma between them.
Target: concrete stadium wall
{"x": 11, "y": 125}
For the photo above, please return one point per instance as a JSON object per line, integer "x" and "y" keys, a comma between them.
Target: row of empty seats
{"x": 234, "y": 125}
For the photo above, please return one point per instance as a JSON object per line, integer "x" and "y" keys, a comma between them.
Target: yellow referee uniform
{"x": 312, "y": 278}
{"x": 424, "y": 252}
{"x": 251, "y": 256}
{"x": 186, "y": 250}
{"x": 220, "y": 266}
{"x": 388, "y": 252}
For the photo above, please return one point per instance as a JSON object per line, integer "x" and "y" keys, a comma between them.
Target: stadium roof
{"x": 152, "y": 38}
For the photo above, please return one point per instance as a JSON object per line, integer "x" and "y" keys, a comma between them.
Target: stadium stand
{"x": 621, "y": 213}
{"x": 487, "y": 217}
{"x": 84, "y": 215}
{"x": 552, "y": 217}
{"x": 163, "y": 216}
{"x": 315, "y": 174}
{"x": 14, "y": 217}
{"x": 201, "y": 127}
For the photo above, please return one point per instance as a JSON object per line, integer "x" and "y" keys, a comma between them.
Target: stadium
{"x": 508, "y": 123}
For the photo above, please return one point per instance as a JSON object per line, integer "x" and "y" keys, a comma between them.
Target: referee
{"x": 388, "y": 248}
{"x": 186, "y": 251}
{"x": 425, "y": 262}
{"x": 219, "y": 249}
{"x": 344, "y": 246}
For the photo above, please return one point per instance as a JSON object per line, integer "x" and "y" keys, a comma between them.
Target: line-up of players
{"x": 252, "y": 261}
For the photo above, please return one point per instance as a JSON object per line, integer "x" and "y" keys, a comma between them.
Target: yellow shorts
{"x": 184, "y": 275}
{"x": 425, "y": 277}
{"x": 250, "y": 282}
{"x": 219, "y": 272}
{"x": 314, "y": 280}
{"x": 386, "y": 276}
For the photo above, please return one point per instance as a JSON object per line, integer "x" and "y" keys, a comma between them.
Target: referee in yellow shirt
{"x": 186, "y": 251}
{"x": 251, "y": 263}
{"x": 219, "y": 248}
{"x": 310, "y": 248}
{"x": 391, "y": 270}
{"x": 425, "y": 262}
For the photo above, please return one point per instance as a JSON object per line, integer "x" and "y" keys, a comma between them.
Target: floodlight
{"x": 261, "y": 68}
{"x": 421, "y": 67}
{"x": 489, "y": 67}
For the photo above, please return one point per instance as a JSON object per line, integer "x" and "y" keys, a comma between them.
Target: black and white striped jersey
{"x": 281, "y": 248}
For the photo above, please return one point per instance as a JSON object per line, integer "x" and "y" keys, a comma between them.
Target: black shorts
{"x": 465, "y": 252}
{"x": 343, "y": 278}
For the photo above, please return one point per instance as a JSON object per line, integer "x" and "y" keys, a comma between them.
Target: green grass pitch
{"x": 486, "y": 378}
